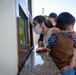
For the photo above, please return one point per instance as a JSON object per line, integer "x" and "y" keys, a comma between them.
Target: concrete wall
{"x": 8, "y": 38}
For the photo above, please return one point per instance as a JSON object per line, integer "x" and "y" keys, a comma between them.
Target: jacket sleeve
{"x": 52, "y": 41}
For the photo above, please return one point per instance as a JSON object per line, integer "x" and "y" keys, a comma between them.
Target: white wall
{"x": 8, "y": 38}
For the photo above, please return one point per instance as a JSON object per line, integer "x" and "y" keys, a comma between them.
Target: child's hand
{"x": 74, "y": 51}
{"x": 66, "y": 68}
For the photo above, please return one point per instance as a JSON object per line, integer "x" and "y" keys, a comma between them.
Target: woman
{"x": 52, "y": 19}
{"x": 43, "y": 26}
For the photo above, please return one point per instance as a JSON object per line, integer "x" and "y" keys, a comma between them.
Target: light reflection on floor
{"x": 38, "y": 60}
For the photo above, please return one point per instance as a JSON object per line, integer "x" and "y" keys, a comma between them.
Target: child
{"x": 61, "y": 44}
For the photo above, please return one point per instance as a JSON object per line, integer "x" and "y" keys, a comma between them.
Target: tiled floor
{"x": 39, "y": 64}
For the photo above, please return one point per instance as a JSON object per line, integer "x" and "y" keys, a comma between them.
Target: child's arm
{"x": 72, "y": 63}
{"x": 68, "y": 67}
{"x": 74, "y": 52}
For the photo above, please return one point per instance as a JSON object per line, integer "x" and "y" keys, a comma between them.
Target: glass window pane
{"x": 21, "y": 31}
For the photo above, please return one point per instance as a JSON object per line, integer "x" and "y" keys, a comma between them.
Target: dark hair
{"x": 53, "y": 15}
{"x": 41, "y": 19}
{"x": 64, "y": 20}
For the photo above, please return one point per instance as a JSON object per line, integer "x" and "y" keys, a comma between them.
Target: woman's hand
{"x": 41, "y": 44}
{"x": 41, "y": 49}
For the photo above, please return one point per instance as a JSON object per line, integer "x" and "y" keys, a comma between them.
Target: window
{"x": 23, "y": 28}
{"x": 24, "y": 32}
